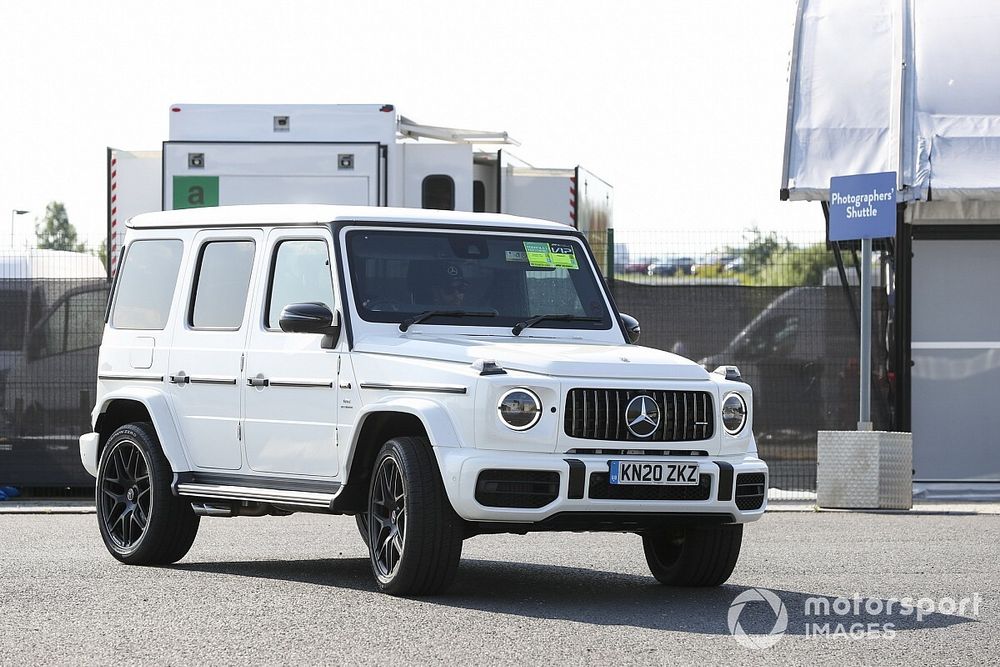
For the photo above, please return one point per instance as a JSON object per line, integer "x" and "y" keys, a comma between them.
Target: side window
{"x": 146, "y": 286}
{"x": 438, "y": 191}
{"x": 49, "y": 335}
{"x": 84, "y": 323}
{"x": 300, "y": 273}
{"x": 221, "y": 284}
{"x": 74, "y": 325}
{"x": 478, "y": 197}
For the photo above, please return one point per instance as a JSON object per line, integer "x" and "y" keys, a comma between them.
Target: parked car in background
{"x": 639, "y": 264}
{"x": 676, "y": 266}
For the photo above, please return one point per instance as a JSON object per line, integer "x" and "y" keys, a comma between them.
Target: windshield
{"x": 400, "y": 274}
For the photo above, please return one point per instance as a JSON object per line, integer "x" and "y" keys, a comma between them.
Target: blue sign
{"x": 863, "y": 206}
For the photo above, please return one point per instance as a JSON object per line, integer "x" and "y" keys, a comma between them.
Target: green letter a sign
{"x": 196, "y": 191}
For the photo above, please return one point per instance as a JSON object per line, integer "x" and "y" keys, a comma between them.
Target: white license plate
{"x": 641, "y": 472}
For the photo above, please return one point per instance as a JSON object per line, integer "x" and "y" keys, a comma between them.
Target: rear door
{"x": 206, "y": 357}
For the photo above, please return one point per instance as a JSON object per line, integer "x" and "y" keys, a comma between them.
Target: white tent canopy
{"x": 895, "y": 85}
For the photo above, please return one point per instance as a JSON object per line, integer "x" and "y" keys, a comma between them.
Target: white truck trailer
{"x": 359, "y": 154}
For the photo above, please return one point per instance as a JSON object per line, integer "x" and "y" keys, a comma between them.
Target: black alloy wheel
{"x": 125, "y": 495}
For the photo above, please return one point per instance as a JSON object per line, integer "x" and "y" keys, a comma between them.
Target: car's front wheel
{"x": 693, "y": 555}
{"x": 141, "y": 521}
{"x": 414, "y": 536}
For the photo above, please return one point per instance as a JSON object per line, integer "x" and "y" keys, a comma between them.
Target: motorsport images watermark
{"x": 855, "y": 617}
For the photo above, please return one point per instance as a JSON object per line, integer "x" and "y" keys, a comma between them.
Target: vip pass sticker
{"x": 551, "y": 255}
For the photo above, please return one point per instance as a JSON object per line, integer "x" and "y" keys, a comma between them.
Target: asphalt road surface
{"x": 297, "y": 590}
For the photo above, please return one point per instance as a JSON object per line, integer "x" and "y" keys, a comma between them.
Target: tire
{"x": 693, "y": 555}
{"x": 362, "y": 520}
{"x": 141, "y": 521}
{"x": 415, "y": 537}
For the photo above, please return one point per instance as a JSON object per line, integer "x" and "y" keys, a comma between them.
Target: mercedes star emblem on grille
{"x": 642, "y": 416}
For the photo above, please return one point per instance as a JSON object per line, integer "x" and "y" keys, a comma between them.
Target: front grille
{"x": 601, "y": 489}
{"x": 599, "y": 414}
{"x": 750, "y": 490}
{"x": 517, "y": 488}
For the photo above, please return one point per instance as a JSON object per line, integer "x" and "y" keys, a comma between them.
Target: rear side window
{"x": 301, "y": 274}
{"x": 146, "y": 285}
{"x": 221, "y": 285}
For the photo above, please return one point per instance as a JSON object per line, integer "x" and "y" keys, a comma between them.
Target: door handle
{"x": 180, "y": 378}
{"x": 258, "y": 381}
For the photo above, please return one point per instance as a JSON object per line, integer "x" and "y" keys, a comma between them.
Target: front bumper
{"x": 578, "y": 485}
{"x": 88, "y": 452}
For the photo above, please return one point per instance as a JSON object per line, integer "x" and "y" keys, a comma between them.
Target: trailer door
{"x": 219, "y": 174}
{"x": 956, "y": 359}
{"x": 437, "y": 176}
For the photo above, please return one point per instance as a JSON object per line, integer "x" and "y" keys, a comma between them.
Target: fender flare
{"x": 158, "y": 406}
{"x": 434, "y": 417}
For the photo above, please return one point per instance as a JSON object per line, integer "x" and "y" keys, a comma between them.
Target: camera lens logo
{"x": 757, "y": 641}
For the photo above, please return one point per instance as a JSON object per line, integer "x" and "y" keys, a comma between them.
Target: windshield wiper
{"x": 417, "y": 319}
{"x": 532, "y": 321}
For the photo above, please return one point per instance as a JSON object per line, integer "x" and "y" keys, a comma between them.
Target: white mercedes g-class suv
{"x": 437, "y": 375}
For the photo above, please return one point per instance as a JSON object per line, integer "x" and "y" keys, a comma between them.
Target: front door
{"x": 291, "y": 387}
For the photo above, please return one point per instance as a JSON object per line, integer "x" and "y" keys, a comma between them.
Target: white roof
{"x": 306, "y": 214}
{"x": 895, "y": 85}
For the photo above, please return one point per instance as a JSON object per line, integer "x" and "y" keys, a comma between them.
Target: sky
{"x": 681, "y": 106}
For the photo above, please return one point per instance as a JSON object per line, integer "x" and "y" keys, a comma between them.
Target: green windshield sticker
{"x": 563, "y": 256}
{"x": 551, "y": 255}
{"x": 538, "y": 254}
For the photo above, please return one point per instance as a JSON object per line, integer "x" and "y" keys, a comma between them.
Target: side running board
{"x": 256, "y": 489}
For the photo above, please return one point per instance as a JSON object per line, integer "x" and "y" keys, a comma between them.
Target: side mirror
{"x": 631, "y": 326}
{"x": 311, "y": 317}
{"x": 306, "y": 318}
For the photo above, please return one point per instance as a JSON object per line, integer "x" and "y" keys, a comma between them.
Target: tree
{"x": 55, "y": 231}
{"x": 757, "y": 249}
{"x": 797, "y": 265}
{"x": 772, "y": 260}
{"x": 102, "y": 252}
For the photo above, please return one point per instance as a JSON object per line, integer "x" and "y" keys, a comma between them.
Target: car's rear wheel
{"x": 414, "y": 536}
{"x": 693, "y": 555}
{"x": 361, "y": 519}
{"x": 141, "y": 521}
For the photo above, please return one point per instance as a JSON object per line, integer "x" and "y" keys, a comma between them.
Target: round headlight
{"x": 519, "y": 409}
{"x": 734, "y": 413}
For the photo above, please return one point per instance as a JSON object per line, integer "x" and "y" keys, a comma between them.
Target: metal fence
{"x": 51, "y": 316}
{"x": 775, "y": 308}
{"x": 778, "y": 309}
